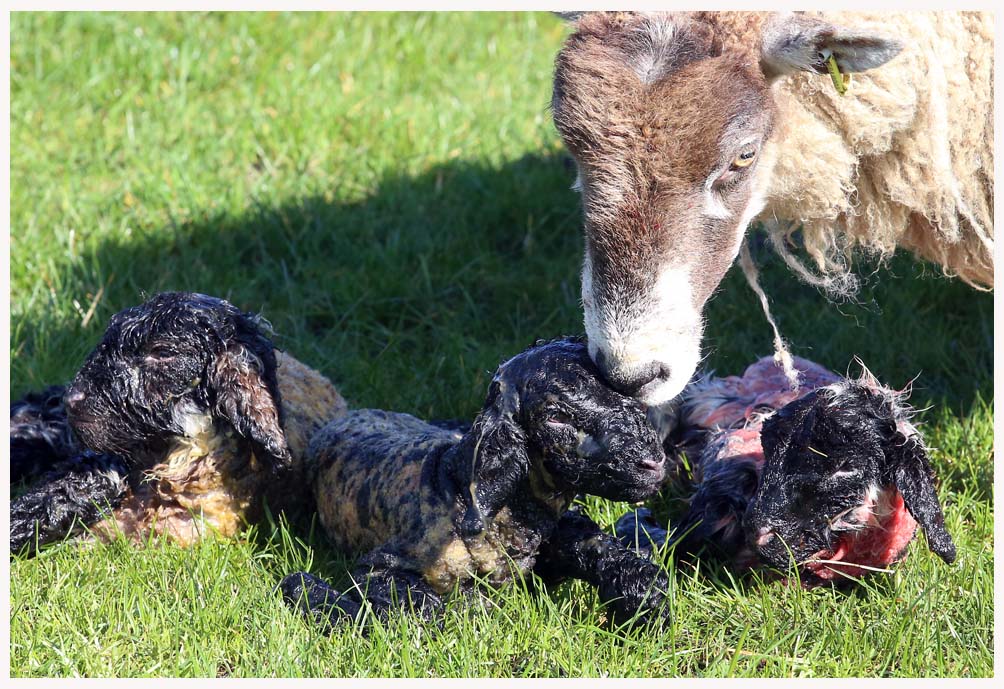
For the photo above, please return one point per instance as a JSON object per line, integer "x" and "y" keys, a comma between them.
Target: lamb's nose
{"x": 764, "y": 536}
{"x": 73, "y": 397}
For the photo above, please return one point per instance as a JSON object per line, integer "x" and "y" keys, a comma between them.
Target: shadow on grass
{"x": 467, "y": 257}
{"x": 386, "y": 293}
{"x": 409, "y": 294}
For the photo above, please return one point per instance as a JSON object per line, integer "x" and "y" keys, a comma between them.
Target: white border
{"x": 64, "y": 5}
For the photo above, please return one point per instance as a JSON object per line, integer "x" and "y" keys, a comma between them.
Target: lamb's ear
{"x": 794, "y": 42}
{"x": 790, "y": 426}
{"x": 244, "y": 380}
{"x": 499, "y": 459}
{"x": 908, "y": 468}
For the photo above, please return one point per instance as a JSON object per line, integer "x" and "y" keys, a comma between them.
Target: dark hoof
{"x": 316, "y": 600}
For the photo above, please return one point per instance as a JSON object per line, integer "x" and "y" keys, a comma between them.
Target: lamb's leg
{"x": 385, "y": 590}
{"x": 639, "y": 531}
{"x": 629, "y": 584}
{"x": 317, "y": 600}
{"x": 77, "y": 494}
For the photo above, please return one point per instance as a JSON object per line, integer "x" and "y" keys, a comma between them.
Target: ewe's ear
{"x": 499, "y": 460}
{"x": 794, "y": 42}
{"x": 243, "y": 378}
{"x": 908, "y": 468}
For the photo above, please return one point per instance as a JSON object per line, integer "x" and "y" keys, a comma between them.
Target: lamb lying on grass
{"x": 433, "y": 509}
{"x": 832, "y": 476}
{"x": 187, "y": 417}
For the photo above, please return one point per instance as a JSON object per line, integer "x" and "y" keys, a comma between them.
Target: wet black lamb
{"x": 433, "y": 508}
{"x": 831, "y": 477}
{"x": 184, "y": 419}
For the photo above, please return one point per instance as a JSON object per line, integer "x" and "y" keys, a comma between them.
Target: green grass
{"x": 390, "y": 192}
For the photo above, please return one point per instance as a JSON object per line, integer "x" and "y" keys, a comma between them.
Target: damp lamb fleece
{"x": 905, "y": 158}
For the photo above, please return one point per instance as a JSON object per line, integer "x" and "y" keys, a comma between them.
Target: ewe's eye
{"x": 736, "y": 171}
{"x": 744, "y": 159}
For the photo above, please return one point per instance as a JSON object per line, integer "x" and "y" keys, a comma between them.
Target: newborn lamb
{"x": 186, "y": 416}
{"x": 832, "y": 476}
{"x": 432, "y": 509}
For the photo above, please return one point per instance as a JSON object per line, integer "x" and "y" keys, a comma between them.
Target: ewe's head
{"x": 669, "y": 119}
{"x": 548, "y": 411}
{"x": 168, "y": 367}
{"x": 845, "y": 479}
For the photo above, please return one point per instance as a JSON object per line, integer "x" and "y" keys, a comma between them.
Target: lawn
{"x": 389, "y": 191}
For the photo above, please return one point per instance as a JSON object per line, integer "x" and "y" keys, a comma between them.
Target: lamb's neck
{"x": 451, "y": 468}
{"x": 455, "y": 466}
{"x": 542, "y": 489}
{"x": 204, "y": 439}
{"x": 535, "y": 492}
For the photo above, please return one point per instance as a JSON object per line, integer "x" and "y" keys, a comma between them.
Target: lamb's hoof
{"x": 639, "y": 531}
{"x": 642, "y": 603}
{"x": 317, "y": 600}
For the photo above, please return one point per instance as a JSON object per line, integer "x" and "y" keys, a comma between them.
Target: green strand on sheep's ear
{"x": 840, "y": 81}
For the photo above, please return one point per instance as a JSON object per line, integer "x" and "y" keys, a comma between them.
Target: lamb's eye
{"x": 159, "y": 353}
{"x": 744, "y": 159}
{"x": 558, "y": 418}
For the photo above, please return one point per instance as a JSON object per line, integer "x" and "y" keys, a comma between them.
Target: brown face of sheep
{"x": 669, "y": 119}
{"x": 165, "y": 366}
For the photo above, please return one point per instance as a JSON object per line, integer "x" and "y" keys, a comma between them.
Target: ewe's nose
{"x": 630, "y": 379}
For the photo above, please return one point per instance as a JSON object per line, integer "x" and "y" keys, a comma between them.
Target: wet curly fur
{"x": 40, "y": 434}
{"x": 77, "y": 491}
{"x": 832, "y": 457}
{"x": 68, "y": 486}
{"x": 186, "y": 402}
{"x": 833, "y": 471}
{"x": 433, "y": 508}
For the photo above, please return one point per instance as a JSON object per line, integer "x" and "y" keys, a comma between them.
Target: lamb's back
{"x": 374, "y": 476}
